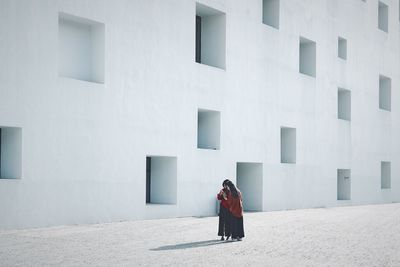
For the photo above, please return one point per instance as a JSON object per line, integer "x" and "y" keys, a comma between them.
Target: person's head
{"x": 225, "y": 183}
{"x": 232, "y": 188}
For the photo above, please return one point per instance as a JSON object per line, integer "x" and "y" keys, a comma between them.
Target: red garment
{"x": 224, "y": 202}
{"x": 235, "y": 205}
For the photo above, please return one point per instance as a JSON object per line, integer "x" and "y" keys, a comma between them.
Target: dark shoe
{"x": 222, "y": 238}
{"x": 238, "y": 239}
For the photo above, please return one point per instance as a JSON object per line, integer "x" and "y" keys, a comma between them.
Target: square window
{"x": 307, "y": 59}
{"x": 10, "y": 152}
{"x": 343, "y": 184}
{"x": 342, "y": 48}
{"x": 210, "y": 36}
{"x": 383, "y": 17}
{"x": 161, "y": 180}
{"x": 385, "y": 175}
{"x": 385, "y": 93}
{"x": 249, "y": 177}
{"x": 81, "y": 48}
{"x": 208, "y": 129}
{"x": 271, "y": 13}
{"x": 344, "y": 104}
{"x": 288, "y": 145}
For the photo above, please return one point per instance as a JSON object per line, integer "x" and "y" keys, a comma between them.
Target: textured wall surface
{"x": 84, "y": 144}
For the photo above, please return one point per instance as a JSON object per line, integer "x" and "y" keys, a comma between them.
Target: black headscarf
{"x": 225, "y": 182}
{"x": 233, "y": 189}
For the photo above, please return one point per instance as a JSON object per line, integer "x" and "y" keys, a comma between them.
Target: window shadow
{"x": 204, "y": 243}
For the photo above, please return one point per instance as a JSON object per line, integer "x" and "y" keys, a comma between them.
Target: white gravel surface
{"x": 343, "y": 236}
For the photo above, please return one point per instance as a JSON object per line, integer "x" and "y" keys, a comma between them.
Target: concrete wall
{"x": 84, "y": 144}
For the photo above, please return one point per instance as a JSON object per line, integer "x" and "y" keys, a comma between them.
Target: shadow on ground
{"x": 204, "y": 243}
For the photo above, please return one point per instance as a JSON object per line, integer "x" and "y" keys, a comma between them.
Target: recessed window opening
{"x": 208, "y": 129}
{"x": 81, "y": 48}
{"x": 385, "y": 175}
{"x": 161, "y": 180}
{"x": 383, "y": 17}
{"x": 343, "y": 184}
{"x": 385, "y": 93}
{"x": 249, "y": 179}
{"x": 271, "y": 13}
{"x": 342, "y": 48}
{"x": 288, "y": 145}
{"x": 10, "y": 152}
{"x": 210, "y": 36}
{"x": 307, "y": 59}
{"x": 344, "y": 104}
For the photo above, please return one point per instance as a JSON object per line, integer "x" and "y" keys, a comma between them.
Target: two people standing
{"x": 230, "y": 212}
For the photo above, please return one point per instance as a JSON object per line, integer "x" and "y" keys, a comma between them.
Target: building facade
{"x": 123, "y": 110}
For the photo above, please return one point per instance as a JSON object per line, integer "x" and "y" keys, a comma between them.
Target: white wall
{"x": 84, "y": 144}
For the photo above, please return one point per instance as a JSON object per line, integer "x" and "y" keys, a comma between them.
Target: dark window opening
{"x": 0, "y": 152}
{"x": 148, "y": 179}
{"x": 198, "y": 39}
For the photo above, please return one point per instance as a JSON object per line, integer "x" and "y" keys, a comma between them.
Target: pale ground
{"x": 345, "y": 236}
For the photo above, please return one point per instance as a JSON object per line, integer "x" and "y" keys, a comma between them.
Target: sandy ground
{"x": 344, "y": 236}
